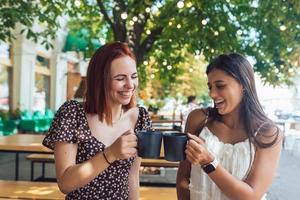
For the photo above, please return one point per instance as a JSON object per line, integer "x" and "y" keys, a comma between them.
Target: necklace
{"x": 121, "y": 113}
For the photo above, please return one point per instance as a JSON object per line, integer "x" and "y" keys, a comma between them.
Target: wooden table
{"x": 22, "y": 143}
{"x": 165, "y": 124}
{"x": 44, "y": 190}
{"x": 32, "y": 143}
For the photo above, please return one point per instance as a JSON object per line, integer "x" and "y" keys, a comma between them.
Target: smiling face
{"x": 225, "y": 91}
{"x": 124, "y": 80}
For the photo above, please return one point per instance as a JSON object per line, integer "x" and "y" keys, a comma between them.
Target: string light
{"x": 189, "y": 4}
{"x": 180, "y": 4}
{"x": 77, "y": 3}
{"x": 282, "y": 27}
{"x": 135, "y": 19}
{"x": 124, "y": 15}
{"x": 239, "y": 32}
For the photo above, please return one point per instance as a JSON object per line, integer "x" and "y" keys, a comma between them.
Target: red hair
{"x": 98, "y": 80}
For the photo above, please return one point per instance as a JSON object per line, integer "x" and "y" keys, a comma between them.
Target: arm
{"x": 183, "y": 180}
{"x": 194, "y": 123}
{"x": 66, "y": 168}
{"x": 259, "y": 179}
{"x": 134, "y": 181}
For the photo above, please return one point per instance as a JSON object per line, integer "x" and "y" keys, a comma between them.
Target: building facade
{"x": 34, "y": 78}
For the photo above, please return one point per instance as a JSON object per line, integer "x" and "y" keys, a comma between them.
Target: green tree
{"x": 27, "y": 13}
{"x": 267, "y": 30}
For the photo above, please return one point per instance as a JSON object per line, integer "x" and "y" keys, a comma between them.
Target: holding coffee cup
{"x": 149, "y": 144}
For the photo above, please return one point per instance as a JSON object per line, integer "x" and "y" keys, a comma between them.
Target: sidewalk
{"x": 286, "y": 185}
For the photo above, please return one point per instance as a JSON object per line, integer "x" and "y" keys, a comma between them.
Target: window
{"x": 5, "y": 77}
{"x": 42, "y": 84}
{"x": 4, "y": 51}
{"x": 42, "y": 62}
{"x": 5, "y": 87}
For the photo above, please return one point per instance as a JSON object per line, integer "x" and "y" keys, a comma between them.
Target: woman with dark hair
{"x": 234, "y": 148}
{"x": 94, "y": 143}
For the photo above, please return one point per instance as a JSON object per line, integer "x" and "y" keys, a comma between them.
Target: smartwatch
{"x": 210, "y": 167}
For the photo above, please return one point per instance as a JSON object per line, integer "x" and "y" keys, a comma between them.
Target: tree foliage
{"x": 28, "y": 13}
{"x": 267, "y": 30}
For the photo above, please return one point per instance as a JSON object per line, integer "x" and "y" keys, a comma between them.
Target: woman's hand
{"x": 196, "y": 151}
{"x": 123, "y": 148}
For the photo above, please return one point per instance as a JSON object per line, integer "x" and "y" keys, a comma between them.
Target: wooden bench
{"x": 39, "y": 158}
{"x": 29, "y": 190}
{"x": 49, "y": 158}
{"x": 44, "y": 190}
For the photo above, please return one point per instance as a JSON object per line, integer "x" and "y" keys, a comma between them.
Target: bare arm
{"x": 71, "y": 176}
{"x": 67, "y": 169}
{"x": 134, "y": 180}
{"x": 183, "y": 180}
{"x": 259, "y": 179}
{"x": 195, "y": 120}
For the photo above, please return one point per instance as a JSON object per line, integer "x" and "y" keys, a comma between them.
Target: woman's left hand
{"x": 196, "y": 151}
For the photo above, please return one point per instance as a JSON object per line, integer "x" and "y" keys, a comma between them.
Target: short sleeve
{"x": 64, "y": 125}
{"x": 144, "y": 122}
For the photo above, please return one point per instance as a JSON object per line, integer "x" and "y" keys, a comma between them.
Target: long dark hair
{"x": 254, "y": 119}
{"x": 98, "y": 80}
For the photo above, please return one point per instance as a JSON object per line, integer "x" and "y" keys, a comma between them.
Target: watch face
{"x": 209, "y": 168}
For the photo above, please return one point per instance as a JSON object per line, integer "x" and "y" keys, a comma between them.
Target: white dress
{"x": 234, "y": 158}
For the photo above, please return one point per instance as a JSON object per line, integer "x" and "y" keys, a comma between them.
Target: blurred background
{"x": 45, "y": 47}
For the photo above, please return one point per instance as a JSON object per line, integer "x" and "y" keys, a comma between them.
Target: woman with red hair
{"x": 94, "y": 143}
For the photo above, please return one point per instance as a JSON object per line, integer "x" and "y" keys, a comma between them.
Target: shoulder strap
{"x": 206, "y": 117}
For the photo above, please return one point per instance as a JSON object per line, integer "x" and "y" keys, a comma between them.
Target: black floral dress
{"x": 70, "y": 125}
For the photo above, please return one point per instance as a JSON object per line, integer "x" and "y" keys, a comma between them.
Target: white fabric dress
{"x": 234, "y": 158}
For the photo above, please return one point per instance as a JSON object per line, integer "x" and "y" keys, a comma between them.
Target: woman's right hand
{"x": 123, "y": 148}
{"x": 196, "y": 151}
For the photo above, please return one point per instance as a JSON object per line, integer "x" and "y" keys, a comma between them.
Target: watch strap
{"x": 210, "y": 167}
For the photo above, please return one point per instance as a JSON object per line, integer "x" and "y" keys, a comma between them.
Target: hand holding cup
{"x": 196, "y": 151}
{"x": 124, "y": 147}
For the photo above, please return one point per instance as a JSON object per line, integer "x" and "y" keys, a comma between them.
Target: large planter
{"x": 10, "y": 127}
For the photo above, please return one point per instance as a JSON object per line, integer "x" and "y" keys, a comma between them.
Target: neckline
{"x": 88, "y": 126}
{"x": 121, "y": 114}
{"x": 224, "y": 143}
